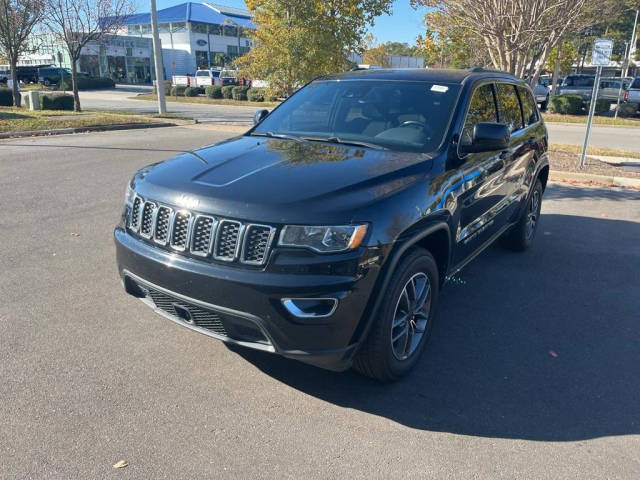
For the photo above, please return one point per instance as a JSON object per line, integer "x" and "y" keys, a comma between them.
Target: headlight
{"x": 128, "y": 195}
{"x": 323, "y": 239}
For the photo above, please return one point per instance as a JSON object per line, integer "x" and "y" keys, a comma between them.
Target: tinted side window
{"x": 636, "y": 83}
{"x": 482, "y": 108}
{"x": 509, "y": 106}
{"x": 528, "y": 106}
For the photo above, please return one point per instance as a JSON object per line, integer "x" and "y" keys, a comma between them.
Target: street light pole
{"x": 157, "y": 59}
{"x": 632, "y": 45}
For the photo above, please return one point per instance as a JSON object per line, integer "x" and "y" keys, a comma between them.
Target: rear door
{"x": 483, "y": 178}
{"x": 513, "y": 102}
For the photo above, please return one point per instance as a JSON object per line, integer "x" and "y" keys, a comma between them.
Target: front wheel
{"x": 520, "y": 236}
{"x": 404, "y": 321}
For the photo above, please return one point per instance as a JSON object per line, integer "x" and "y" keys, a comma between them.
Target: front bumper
{"x": 245, "y": 306}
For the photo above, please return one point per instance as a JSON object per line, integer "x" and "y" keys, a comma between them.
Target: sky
{"x": 403, "y": 25}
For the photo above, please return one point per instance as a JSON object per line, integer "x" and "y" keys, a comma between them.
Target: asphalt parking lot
{"x": 532, "y": 370}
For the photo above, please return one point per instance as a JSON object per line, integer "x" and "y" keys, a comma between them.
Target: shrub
{"x": 167, "y": 87}
{"x": 191, "y": 92}
{"x": 227, "y": 91}
{"x": 567, "y": 104}
{"x": 602, "y": 106}
{"x": 256, "y": 94}
{"x": 239, "y": 93}
{"x": 178, "y": 90}
{"x": 56, "y": 102}
{"x": 87, "y": 83}
{"x": 624, "y": 110}
{"x": 6, "y": 97}
{"x": 213, "y": 91}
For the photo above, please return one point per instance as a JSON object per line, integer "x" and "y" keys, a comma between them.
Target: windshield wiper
{"x": 341, "y": 141}
{"x": 276, "y": 135}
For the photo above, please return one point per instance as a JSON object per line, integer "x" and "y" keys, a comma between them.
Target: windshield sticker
{"x": 439, "y": 88}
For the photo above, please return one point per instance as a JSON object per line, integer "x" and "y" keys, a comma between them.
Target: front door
{"x": 483, "y": 179}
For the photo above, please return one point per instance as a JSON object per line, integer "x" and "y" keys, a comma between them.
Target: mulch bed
{"x": 570, "y": 162}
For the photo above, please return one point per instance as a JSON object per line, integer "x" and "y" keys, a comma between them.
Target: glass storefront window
{"x": 178, "y": 27}
{"x": 197, "y": 27}
{"x": 146, "y": 29}
{"x": 215, "y": 29}
{"x": 230, "y": 31}
{"x": 202, "y": 59}
{"x": 164, "y": 27}
{"x": 133, "y": 29}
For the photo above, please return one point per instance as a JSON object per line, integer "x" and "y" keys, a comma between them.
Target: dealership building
{"x": 195, "y": 35}
{"x": 124, "y": 59}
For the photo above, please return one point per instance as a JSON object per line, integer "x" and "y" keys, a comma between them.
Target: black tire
{"x": 543, "y": 105}
{"x": 520, "y": 237}
{"x": 377, "y": 357}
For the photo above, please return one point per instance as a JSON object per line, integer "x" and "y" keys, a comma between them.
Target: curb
{"x": 560, "y": 176}
{"x": 96, "y": 128}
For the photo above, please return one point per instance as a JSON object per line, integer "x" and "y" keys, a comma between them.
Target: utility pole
{"x": 632, "y": 47}
{"x": 157, "y": 59}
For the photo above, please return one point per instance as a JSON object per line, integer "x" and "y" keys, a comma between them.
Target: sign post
{"x": 601, "y": 57}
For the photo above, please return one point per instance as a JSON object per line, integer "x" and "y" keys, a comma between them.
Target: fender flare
{"x": 398, "y": 249}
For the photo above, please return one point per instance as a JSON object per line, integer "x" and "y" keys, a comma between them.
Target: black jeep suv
{"x": 326, "y": 231}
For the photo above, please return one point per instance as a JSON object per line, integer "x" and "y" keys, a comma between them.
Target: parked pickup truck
{"x": 206, "y": 77}
{"x": 632, "y": 95}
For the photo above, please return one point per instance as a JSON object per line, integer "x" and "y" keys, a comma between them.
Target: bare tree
{"x": 77, "y": 22}
{"x": 518, "y": 35}
{"x": 17, "y": 20}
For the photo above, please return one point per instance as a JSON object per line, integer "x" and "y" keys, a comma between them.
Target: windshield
{"x": 578, "y": 81}
{"x": 400, "y": 115}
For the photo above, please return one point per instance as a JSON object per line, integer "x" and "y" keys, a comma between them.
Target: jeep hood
{"x": 278, "y": 180}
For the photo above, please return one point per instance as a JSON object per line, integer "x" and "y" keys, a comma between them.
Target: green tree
{"x": 568, "y": 56}
{"x": 296, "y": 40}
{"x": 17, "y": 20}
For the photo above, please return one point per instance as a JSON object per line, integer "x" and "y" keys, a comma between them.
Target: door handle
{"x": 496, "y": 166}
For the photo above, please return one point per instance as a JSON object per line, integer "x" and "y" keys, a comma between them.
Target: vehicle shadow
{"x": 543, "y": 345}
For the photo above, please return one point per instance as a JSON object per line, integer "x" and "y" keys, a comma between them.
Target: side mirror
{"x": 488, "y": 137}
{"x": 259, "y": 116}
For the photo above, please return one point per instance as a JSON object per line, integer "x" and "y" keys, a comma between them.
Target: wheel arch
{"x": 434, "y": 237}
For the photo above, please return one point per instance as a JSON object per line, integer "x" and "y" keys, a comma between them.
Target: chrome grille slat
{"x": 202, "y": 235}
{"x": 180, "y": 230}
{"x": 256, "y": 243}
{"x": 227, "y": 240}
{"x": 136, "y": 210}
{"x": 161, "y": 230}
{"x": 146, "y": 219}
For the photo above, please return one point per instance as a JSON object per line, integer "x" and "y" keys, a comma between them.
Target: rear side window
{"x": 636, "y": 83}
{"x": 482, "y": 108}
{"x": 571, "y": 81}
{"x": 509, "y": 106}
{"x": 528, "y": 106}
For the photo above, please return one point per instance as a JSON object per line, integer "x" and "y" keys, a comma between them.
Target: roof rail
{"x": 484, "y": 69}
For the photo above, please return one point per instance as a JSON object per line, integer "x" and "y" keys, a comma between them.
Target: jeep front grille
{"x": 201, "y": 235}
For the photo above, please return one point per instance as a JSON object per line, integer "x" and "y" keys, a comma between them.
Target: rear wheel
{"x": 543, "y": 105}
{"x": 520, "y": 236}
{"x": 404, "y": 321}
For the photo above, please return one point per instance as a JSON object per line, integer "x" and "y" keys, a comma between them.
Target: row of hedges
{"x": 576, "y": 105}
{"x": 56, "y": 102}
{"x": 237, "y": 93}
{"x": 87, "y": 83}
{"x": 6, "y": 97}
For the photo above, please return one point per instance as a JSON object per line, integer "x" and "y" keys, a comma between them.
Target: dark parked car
{"x": 52, "y": 75}
{"x": 326, "y": 232}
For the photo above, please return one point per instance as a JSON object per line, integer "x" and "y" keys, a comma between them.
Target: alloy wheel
{"x": 411, "y": 316}
{"x": 532, "y": 213}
